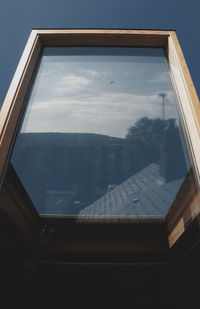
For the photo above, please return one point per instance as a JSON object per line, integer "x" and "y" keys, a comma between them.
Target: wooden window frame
{"x": 180, "y": 217}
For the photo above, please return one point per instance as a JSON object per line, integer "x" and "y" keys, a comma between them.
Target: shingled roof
{"x": 143, "y": 194}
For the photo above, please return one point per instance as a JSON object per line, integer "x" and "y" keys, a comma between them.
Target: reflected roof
{"x": 143, "y": 194}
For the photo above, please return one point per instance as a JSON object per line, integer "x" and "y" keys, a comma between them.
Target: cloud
{"x": 90, "y": 72}
{"x": 71, "y": 84}
{"x": 73, "y": 81}
{"x": 161, "y": 77}
{"x": 104, "y": 98}
{"x": 106, "y": 113}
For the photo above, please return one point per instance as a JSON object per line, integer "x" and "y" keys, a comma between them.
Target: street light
{"x": 163, "y": 95}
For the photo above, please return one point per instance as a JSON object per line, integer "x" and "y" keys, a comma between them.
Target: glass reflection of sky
{"x": 98, "y": 90}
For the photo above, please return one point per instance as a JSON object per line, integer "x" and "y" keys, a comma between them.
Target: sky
{"x": 17, "y": 18}
{"x": 98, "y": 90}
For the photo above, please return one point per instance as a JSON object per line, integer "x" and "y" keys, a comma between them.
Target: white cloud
{"x": 70, "y": 84}
{"x": 106, "y": 113}
{"x": 77, "y": 97}
{"x": 73, "y": 80}
{"x": 161, "y": 77}
{"x": 90, "y": 72}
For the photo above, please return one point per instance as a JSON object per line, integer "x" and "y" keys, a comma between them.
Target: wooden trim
{"x": 16, "y": 81}
{"x": 106, "y": 219}
{"x": 16, "y": 205}
{"x": 188, "y": 244}
{"x": 103, "y": 31}
{"x": 71, "y": 236}
{"x": 184, "y": 209}
{"x": 188, "y": 83}
{"x": 64, "y": 37}
{"x": 188, "y": 99}
{"x": 15, "y": 97}
{"x": 187, "y": 204}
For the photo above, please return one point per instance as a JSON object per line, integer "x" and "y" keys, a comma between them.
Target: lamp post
{"x": 163, "y": 95}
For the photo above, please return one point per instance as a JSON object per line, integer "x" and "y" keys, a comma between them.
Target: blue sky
{"x": 18, "y": 17}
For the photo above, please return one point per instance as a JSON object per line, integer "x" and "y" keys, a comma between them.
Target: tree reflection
{"x": 158, "y": 141}
{"x": 145, "y": 137}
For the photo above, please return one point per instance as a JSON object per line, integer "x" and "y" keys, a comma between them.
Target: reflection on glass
{"x": 101, "y": 134}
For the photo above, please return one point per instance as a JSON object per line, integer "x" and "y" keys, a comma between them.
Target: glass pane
{"x": 101, "y": 135}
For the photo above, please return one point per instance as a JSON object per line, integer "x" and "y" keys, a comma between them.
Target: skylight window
{"x": 101, "y": 126}
{"x": 101, "y": 135}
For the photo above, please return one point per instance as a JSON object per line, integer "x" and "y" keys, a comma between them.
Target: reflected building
{"x": 79, "y": 171}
